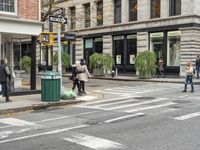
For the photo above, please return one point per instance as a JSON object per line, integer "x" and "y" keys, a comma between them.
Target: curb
{"x": 36, "y": 107}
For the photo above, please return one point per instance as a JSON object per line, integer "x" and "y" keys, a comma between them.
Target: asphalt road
{"x": 117, "y": 115}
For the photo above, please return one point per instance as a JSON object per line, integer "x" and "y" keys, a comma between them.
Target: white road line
{"x": 86, "y": 98}
{"x": 100, "y": 101}
{"x": 113, "y": 103}
{"x": 123, "y": 117}
{"x": 137, "y": 104}
{"x": 188, "y": 116}
{"x": 150, "y": 107}
{"x": 17, "y": 122}
{"x": 94, "y": 142}
{"x": 99, "y": 91}
{"x": 42, "y": 134}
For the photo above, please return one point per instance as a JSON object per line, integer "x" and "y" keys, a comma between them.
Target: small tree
{"x": 26, "y": 63}
{"x": 65, "y": 59}
{"x": 145, "y": 64}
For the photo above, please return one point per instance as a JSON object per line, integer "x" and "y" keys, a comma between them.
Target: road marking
{"x": 188, "y": 116}
{"x": 101, "y": 101}
{"x": 117, "y": 102}
{"x": 42, "y": 134}
{"x": 86, "y": 98}
{"x": 94, "y": 142}
{"x": 137, "y": 104}
{"x": 150, "y": 107}
{"x": 17, "y": 122}
{"x": 123, "y": 117}
{"x": 99, "y": 91}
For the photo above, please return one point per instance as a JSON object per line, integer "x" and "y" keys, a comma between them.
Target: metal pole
{"x": 20, "y": 57}
{"x": 59, "y": 54}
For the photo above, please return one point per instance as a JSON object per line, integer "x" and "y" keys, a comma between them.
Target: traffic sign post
{"x": 59, "y": 55}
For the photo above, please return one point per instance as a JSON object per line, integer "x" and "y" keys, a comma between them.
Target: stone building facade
{"x": 19, "y": 27}
{"x": 124, "y": 28}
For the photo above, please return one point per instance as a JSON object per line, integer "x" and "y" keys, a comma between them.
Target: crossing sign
{"x": 57, "y": 19}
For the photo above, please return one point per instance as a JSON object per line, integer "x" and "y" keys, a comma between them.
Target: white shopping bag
{"x": 0, "y": 90}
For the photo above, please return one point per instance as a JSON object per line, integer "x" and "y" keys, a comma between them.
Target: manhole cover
{"x": 144, "y": 98}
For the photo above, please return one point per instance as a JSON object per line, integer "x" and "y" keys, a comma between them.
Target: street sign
{"x": 57, "y": 19}
{"x": 59, "y": 11}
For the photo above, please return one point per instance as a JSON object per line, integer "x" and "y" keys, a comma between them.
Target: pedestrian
{"x": 74, "y": 77}
{"x": 5, "y": 78}
{"x": 189, "y": 76}
{"x": 82, "y": 75}
{"x": 161, "y": 70}
{"x": 198, "y": 66}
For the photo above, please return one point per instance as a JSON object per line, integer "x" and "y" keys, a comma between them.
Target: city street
{"x": 116, "y": 115}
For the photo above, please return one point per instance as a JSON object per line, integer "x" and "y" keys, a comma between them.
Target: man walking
{"x": 5, "y": 77}
{"x": 198, "y": 66}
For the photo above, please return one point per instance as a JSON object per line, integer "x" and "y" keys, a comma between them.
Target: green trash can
{"x": 50, "y": 86}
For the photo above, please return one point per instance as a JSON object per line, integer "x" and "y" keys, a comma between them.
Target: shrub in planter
{"x": 145, "y": 64}
{"x": 26, "y": 63}
{"x": 65, "y": 59}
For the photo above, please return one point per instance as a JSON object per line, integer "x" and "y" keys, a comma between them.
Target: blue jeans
{"x": 189, "y": 80}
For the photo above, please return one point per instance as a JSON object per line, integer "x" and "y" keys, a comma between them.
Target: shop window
{"x": 173, "y": 48}
{"x": 174, "y": 7}
{"x": 73, "y": 18}
{"x": 117, "y": 11}
{"x": 100, "y": 13}
{"x": 87, "y": 15}
{"x": 98, "y": 45}
{"x": 8, "y": 6}
{"x": 119, "y": 49}
{"x": 155, "y": 8}
{"x": 131, "y": 49}
{"x": 157, "y": 44}
{"x": 132, "y": 10}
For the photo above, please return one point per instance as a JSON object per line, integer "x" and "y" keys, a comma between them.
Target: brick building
{"x": 19, "y": 26}
{"x": 124, "y": 28}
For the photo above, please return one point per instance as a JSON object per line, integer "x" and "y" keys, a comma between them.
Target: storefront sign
{"x": 131, "y": 36}
{"x": 98, "y": 39}
{"x": 132, "y": 59}
{"x": 157, "y": 34}
{"x": 118, "y": 37}
{"x": 174, "y": 33}
{"x": 118, "y": 59}
{"x": 88, "y": 43}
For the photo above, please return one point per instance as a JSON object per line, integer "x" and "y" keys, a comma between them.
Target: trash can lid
{"x": 51, "y": 73}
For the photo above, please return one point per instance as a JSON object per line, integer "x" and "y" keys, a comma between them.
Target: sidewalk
{"x": 33, "y": 102}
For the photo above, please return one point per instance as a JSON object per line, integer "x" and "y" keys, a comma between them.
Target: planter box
{"x": 17, "y": 82}
{"x": 98, "y": 72}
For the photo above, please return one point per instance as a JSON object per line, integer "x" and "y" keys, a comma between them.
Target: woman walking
{"x": 189, "y": 76}
{"x": 82, "y": 76}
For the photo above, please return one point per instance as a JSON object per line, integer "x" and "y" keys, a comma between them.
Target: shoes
{"x": 192, "y": 91}
{"x": 80, "y": 94}
{"x": 8, "y": 100}
{"x": 84, "y": 92}
{"x": 184, "y": 91}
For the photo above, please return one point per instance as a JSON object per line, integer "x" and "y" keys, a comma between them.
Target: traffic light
{"x": 47, "y": 38}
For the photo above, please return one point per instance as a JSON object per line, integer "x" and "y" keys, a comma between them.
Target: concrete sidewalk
{"x": 33, "y": 102}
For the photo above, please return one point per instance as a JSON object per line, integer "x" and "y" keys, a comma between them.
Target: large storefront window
{"x": 119, "y": 49}
{"x": 173, "y": 52}
{"x": 157, "y": 43}
{"x": 98, "y": 45}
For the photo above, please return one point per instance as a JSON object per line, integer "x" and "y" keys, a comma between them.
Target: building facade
{"x": 124, "y": 28}
{"x": 19, "y": 27}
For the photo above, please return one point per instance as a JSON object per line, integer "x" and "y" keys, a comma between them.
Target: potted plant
{"x": 101, "y": 63}
{"x": 65, "y": 57}
{"x": 26, "y": 63}
{"x": 145, "y": 64}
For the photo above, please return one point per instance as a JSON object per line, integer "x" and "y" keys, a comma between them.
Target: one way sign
{"x": 57, "y": 19}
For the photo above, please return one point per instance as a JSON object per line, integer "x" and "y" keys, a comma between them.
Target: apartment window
{"x": 73, "y": 18}
{"x": 117, "y": 11}
{"x": 174, "y": 7}
{"x": 100, "y": 13}
{"x": 155, "y": 8}
{"x": 87, "y": 15}
{"x": 132, "y": 10}
{"x": 8, "y": 6}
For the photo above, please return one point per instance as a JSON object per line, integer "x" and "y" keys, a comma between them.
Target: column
{"x": 143, "y": 10}
{"x": 142, "y": 41}
{"x": 33, "y": 62}
{"x": 125, "y": 11}
{"x": 80, "y": 17}
{"x": 79, "y": 48}
{"x": 190, "y": 48}
{"x": 107, "y": 44}
{"x": 187, "y": 7}
{"x": 108, "y": 12}
{"x": 164, "y": 8}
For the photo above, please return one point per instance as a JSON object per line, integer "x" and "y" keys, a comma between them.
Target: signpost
{"x": 59, "y": 19}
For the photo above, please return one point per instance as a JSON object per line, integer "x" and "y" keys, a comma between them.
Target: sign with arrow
{"x": 54, "y": 19}
{"x": 59, "y": 11}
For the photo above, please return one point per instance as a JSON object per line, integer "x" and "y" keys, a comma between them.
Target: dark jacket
{"x": 4, "y": 76}
{"x": 198, "y": 62}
